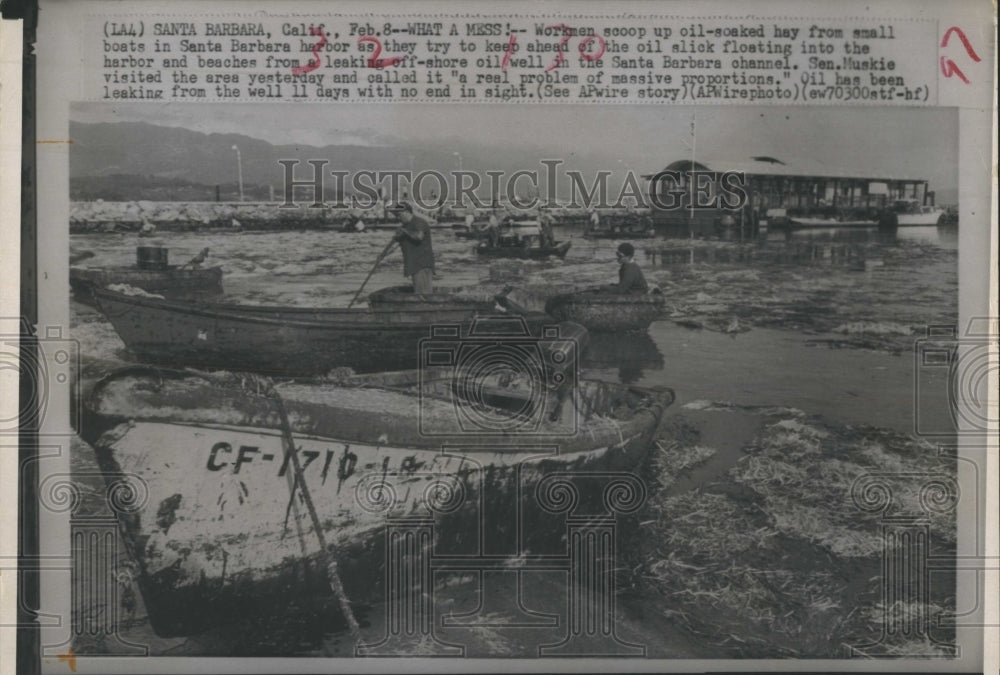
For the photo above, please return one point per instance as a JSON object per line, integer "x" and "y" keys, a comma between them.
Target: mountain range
{"x": 139, "y": 160}
{"x": 173, "y": 153}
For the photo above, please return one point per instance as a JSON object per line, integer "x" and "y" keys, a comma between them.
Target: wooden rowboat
{"x": 524, "y": 252}
{"x": 219, "y": 528}
{"x": 294, "y": 340}
{"x": 396, "y": 298}
{"x": 603, "y": 310}
{"x": 173, "y": 282}
{"x": 402, "y": 298}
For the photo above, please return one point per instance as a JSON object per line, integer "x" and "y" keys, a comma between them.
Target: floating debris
{"x": 674, "y": 459}
{"x": 873, "y": 328}
{"x": 779, "y": 560}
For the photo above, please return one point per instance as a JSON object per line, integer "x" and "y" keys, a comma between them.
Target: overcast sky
{"x": 916, "y": 142}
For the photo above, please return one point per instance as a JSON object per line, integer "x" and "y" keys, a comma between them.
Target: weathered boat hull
{"x": 401, "y": 298}
{"x": 172, "y": 282}
{"x": 287, "y": 341}
{"x": 462, "y": 306}
{"x": 606, "y": 311}
{"x": 217, "y": 531}
{"x": 526, "y": 253}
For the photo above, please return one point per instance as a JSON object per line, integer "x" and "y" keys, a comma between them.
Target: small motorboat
{"x": 151, "y": 274}
{"x": 524, "y": 249}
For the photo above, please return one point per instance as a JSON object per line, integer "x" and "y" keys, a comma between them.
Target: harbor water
{"x": 812, "y": 333}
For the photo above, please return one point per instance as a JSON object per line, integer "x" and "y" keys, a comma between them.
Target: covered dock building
{"x": 776, "y": 191}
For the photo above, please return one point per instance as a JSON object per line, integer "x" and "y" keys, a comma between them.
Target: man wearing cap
{"x": 630, "y": 278}
{"x": 414, "y": 237}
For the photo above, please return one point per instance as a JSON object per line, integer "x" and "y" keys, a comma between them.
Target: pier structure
{"x": 697, "y": 198}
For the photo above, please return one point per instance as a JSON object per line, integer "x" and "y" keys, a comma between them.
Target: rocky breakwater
{"x": 136, "y": 216}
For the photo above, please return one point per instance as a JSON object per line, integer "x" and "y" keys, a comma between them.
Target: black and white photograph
{"x": 504, "y": 381}
{"x": 746, "y": 370}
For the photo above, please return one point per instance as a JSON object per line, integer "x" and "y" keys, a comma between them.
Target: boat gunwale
{"x": 532, "y": 446}
{"x": 257, "y": 315}
{"x": 655, "y": 401}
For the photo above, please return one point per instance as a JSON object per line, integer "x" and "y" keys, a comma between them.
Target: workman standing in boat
{"x": 414, "y": 237}
{"x": 493, "y": 226}
{"x": 630, "y": 278}
{"x": 595, "y": 220}
{"x": 546, "y": 237}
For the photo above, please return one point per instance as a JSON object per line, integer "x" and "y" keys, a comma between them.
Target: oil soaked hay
{"x": 874, "y": 311}
{"x": 719, "y": 566}
{"x": 805, "y": 475}
{"x": 778, "y": 559}
{"x": 675, "y": 451}
{"x": 913, "y": 613}
{"x": 672, "y": 459}
{"x": 915, "y": 641}
{"x": 873, "y": 328}
{"x": 816, "y": 525}
{"x": 723, "y": 406}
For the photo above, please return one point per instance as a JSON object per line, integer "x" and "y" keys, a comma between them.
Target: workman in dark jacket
{"x": 414, "y": 237}
{"x": 630, "y": 278}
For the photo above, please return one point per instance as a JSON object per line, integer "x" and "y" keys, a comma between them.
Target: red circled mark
{"x": 965, "y": 42}
{"x": 949, "y": 68}
{"x": 567, "y": 34}
{"x": 374, "y": 61}
{"x": 510, "y": 50}
{"x": 592, "y": 57}
{"x": 313, "y": 62}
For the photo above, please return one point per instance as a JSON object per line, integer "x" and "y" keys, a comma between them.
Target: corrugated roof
{"x": 775, "y": 166}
